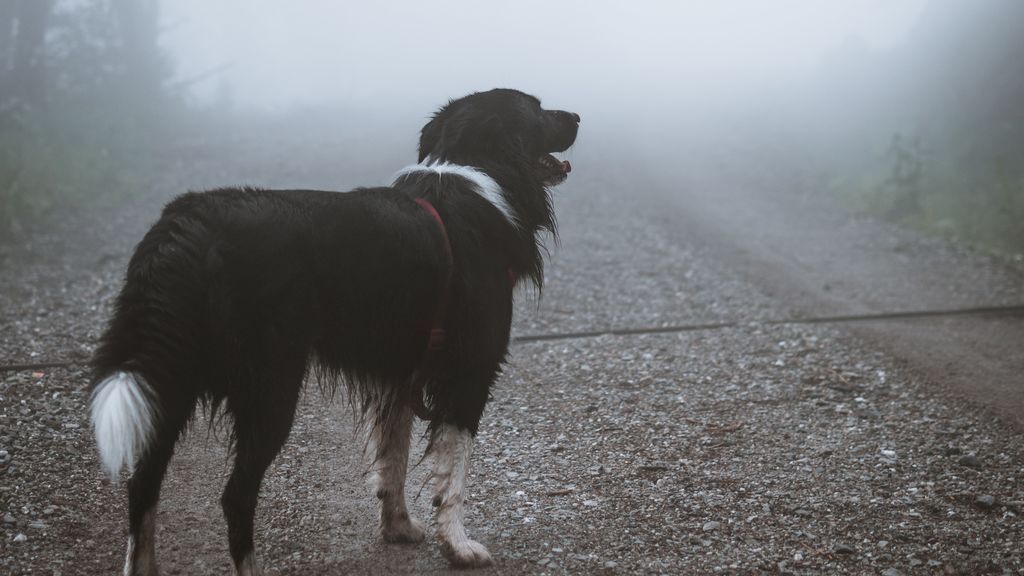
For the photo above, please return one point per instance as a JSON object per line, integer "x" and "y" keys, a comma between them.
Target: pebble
{"x": 9, "y": 519}
{"x": 969, "y": 460}
{"x": 985, "y": 501}
{"x": 712, "y": 525}
{"x": 611, "y": 564}
{"x": 891, "y": 572}
{"x": 843, "y": 549}
{"x": 20, "y": 538}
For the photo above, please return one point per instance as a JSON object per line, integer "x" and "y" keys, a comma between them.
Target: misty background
{"x": 908, "y": 110}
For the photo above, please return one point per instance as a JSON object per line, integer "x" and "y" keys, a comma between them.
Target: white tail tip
{"x": 122, "y": 417}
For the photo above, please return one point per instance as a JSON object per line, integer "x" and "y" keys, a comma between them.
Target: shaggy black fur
{"x": 235, "y": 294}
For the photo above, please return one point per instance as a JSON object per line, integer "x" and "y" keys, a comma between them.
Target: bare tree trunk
{"x": 6, "y": 33}
{"x": 29, "y": 73}
{"x": 7, "y": 11}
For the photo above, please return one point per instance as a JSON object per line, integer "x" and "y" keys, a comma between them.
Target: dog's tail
{"x": 144, "y": 378}
{"x": 123, "y": 414}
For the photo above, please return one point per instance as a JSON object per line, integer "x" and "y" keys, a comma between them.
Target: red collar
{"x": 437, "y": 330}
{"x": 433, "y": 212}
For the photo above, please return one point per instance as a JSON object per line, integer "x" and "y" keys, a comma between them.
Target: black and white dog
{"x": 403, "y": 294}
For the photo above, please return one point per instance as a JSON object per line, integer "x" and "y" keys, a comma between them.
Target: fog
{"x": 848, "y": 94}
{"x": 647, "y": 77}
{"x": 612, "y": 56}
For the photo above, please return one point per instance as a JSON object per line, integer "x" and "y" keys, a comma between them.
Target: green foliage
{"x": 979, "y": 205}
{"x": 904, "y": 182}
{"x": 989, "y": 210}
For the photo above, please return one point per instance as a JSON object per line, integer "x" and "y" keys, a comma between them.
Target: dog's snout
{"x": 560, "y": 130}
{"x": 564, "y": 117}
{"x": 569, "y": 116}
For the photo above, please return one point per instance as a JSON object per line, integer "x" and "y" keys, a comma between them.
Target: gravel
{"x": 758, "y": 448}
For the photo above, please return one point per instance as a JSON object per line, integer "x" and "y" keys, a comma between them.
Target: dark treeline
{"x": 933, "y": 133}
{"x": 82, "y": 101}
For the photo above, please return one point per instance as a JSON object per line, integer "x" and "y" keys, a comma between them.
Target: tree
{"x": 138, "y": 22}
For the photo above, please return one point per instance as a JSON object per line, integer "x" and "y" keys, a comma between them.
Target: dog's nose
{"x": 564, "y": 116}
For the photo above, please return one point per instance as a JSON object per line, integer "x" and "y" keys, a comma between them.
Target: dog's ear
{"x": 430, "y": 137}
{"x": 459, "y": 133}
{"x": 433, "y": 132}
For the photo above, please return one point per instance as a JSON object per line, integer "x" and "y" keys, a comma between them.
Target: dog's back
{"x": 228, "y": 279}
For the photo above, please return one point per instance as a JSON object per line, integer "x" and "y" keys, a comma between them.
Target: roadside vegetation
{"x": 934, "y": 134}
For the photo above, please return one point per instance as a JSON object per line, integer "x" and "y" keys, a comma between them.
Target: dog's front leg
{"x": 388, "y": 448}
{"x": 452, "y": 449}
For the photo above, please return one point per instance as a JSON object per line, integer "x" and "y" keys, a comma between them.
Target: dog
{"x": 401, "y": 294}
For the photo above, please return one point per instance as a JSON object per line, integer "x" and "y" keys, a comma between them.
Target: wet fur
{"x": 235, "y": 295}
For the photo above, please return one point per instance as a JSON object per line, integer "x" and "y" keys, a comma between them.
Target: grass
{"x": 68, "y": 158}
{"x": 982, "y": 206}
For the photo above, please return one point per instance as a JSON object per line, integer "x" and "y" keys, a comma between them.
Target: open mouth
{"x": 555, "y": 170}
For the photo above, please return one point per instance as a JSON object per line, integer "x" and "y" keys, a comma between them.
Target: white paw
{"x": 403, "y": 531}
{"x": 466, "y": 554}
{"x": 249, "y": 567}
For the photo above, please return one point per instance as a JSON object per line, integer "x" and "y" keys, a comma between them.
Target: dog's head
{"x": 500, "y": 131}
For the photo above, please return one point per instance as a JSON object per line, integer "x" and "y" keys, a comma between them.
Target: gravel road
{"x": 756, "y": 448}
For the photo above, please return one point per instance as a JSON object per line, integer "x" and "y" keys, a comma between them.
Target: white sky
{"x": 286, "y": 52}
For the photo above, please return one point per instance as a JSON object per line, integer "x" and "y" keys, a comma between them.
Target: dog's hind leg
{"x": 388, "y": 449}
{"x": 144, "y": 491}
{"x": 452, "y": 446}
{"x": 263, "y": 419}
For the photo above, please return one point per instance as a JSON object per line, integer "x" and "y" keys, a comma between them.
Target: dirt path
{"x": 816, "y": 260}
{"x": 758, "y": 448}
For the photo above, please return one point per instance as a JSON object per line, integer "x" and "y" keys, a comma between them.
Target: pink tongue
{"x": 566, "y": 167}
